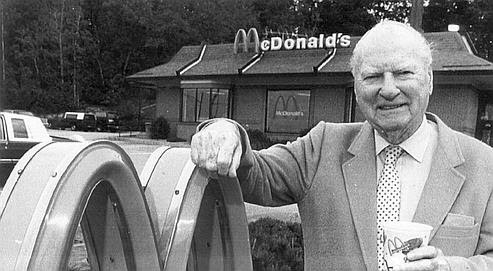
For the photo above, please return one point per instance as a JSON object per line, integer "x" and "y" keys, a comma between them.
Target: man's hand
{"x": 425, "y": 258}
{"x": 217, "y": 148}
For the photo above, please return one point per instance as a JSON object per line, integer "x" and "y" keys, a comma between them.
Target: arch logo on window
{"x": 288, "y": 110}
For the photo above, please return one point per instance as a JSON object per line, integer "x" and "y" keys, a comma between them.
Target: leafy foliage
{"x": 68, "y": 54}
{"x": 276, "y": 245}
{"x": 473, "y": 16}
{"x": 258, "y": 139}
{"x": 351, "y": 17}
{"x": 391, "y": 10}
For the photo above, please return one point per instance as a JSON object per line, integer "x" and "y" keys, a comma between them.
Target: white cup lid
{"x": 407, "y": 226}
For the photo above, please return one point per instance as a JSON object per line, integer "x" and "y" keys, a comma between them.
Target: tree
{"x": 313, "y": 17}
{"x": 31, "y": 53}
{"x": 391, "y": 10}
{"x": 69, "y": 54}
{"x": 276, "y": 15}
{"x": 113, "y": 35}
{"x": 351, "y": 17}
{"x": 473, "y": 16}
{"x": 39, "y": 43}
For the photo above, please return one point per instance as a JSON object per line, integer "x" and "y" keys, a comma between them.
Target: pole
{"x": 60, "y": 44}
{"x": 77, "y": 34}
{"x": 140, "y": 108}
{"x": 416, "y": 18}
{"x": 2, "y": 83}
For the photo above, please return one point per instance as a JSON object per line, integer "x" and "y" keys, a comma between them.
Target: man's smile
{"x": 386, "y": 107}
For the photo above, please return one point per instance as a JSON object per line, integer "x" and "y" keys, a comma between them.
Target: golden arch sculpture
{"x": 171, "y": 218}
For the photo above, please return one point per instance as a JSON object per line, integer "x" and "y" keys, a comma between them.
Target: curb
{"x": 134, "y": 140}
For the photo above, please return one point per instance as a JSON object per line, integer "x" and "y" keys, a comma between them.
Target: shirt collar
{"x": 415, "y": 145}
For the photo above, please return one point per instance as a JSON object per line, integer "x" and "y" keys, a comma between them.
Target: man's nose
{"x": 389, "y": 89}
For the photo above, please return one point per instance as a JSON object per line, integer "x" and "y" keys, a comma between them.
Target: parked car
{"x": 80, "y": 121}
{"x": 83, "y": 122}
{"x": 107, "y": 121}
{"x": 28, "y": 113}
{"x": 18, "y": 133}
{"x": 18, "y": 111}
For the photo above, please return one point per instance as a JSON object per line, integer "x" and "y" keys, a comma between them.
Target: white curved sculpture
{"x": 181, "y": 221}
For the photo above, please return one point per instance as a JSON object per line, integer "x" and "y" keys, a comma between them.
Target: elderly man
{"x": 340, "y": 175}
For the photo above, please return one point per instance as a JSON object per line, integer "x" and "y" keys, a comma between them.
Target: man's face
{"x": 392, "y": 87}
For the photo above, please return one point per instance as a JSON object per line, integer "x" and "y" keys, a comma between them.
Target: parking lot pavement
{"x": 77, "y": 135}
{"x": 139, "y": 150}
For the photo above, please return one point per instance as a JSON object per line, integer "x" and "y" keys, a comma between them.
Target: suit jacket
{"x": 331, "y": 174}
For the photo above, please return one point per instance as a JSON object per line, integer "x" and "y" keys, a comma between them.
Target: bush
{"x": 160, "y": 128}
{"x": 276, "y": 245}
{"x": 258, "y": 139}
{"x": 305, "y": 131}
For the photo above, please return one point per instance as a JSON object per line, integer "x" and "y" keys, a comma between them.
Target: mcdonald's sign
{"x": 244, "y": 42}
{"x": 288, "y": 110}
{"x": 250, "y": 42}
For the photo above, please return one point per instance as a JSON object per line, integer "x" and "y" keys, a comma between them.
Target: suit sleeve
{"x": 281, "y": 174}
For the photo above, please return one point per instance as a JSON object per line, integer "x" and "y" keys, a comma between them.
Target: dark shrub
{"x": 258, "y": 139}
{"x": 176, "y": 139}
{"x": 160, "y": 128}
{"x": 276, "y": 245}
{"x": 278, "y": 141}
{"x": 304, "y": 132}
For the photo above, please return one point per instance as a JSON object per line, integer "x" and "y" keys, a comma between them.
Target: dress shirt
{"x": 413, "y": 166}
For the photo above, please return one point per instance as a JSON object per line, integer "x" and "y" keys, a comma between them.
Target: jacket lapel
{"x": 440, "y": 191}
{"x": 361, "y": 186}
{"x": 444, "y": 181}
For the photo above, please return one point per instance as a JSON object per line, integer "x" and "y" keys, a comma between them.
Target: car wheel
{"x": 73, "y": 128}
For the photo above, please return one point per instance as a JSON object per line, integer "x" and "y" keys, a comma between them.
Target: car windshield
{"x": 100, "y": 114}
{"x": 71, "y": 116}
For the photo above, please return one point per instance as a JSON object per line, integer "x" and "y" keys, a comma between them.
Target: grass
{"x": 78, "y": 255}
{"x": 275, "y": 245}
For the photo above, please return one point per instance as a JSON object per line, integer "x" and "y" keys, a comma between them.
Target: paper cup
{"x": 401, "y": 237}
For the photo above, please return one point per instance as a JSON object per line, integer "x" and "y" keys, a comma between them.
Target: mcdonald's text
{"x": 289, "y": 113}
{"x": 320, "y": 42}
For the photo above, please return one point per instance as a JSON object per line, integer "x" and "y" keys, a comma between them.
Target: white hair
{"x": 390, "y": 29}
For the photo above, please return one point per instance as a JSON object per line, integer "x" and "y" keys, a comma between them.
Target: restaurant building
{"x": 283, "y": 84}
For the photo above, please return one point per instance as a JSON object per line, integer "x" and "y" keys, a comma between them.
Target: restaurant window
{"x": 288, "y": 111}
{"x": 201, "y": 104}
{"x": 352, "y": 112}
{"x": 2, "y": 130}
{"x": 485, "y": 124}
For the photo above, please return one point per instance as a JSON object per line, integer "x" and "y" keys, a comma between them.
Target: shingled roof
{"x": 450, "y": 53}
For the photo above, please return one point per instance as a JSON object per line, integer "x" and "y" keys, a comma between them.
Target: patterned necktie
{"x": 388, "y": 198}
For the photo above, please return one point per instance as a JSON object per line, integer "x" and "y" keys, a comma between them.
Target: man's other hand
{"x": 217, "y": 148}
{"x": 425, "y": 258}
